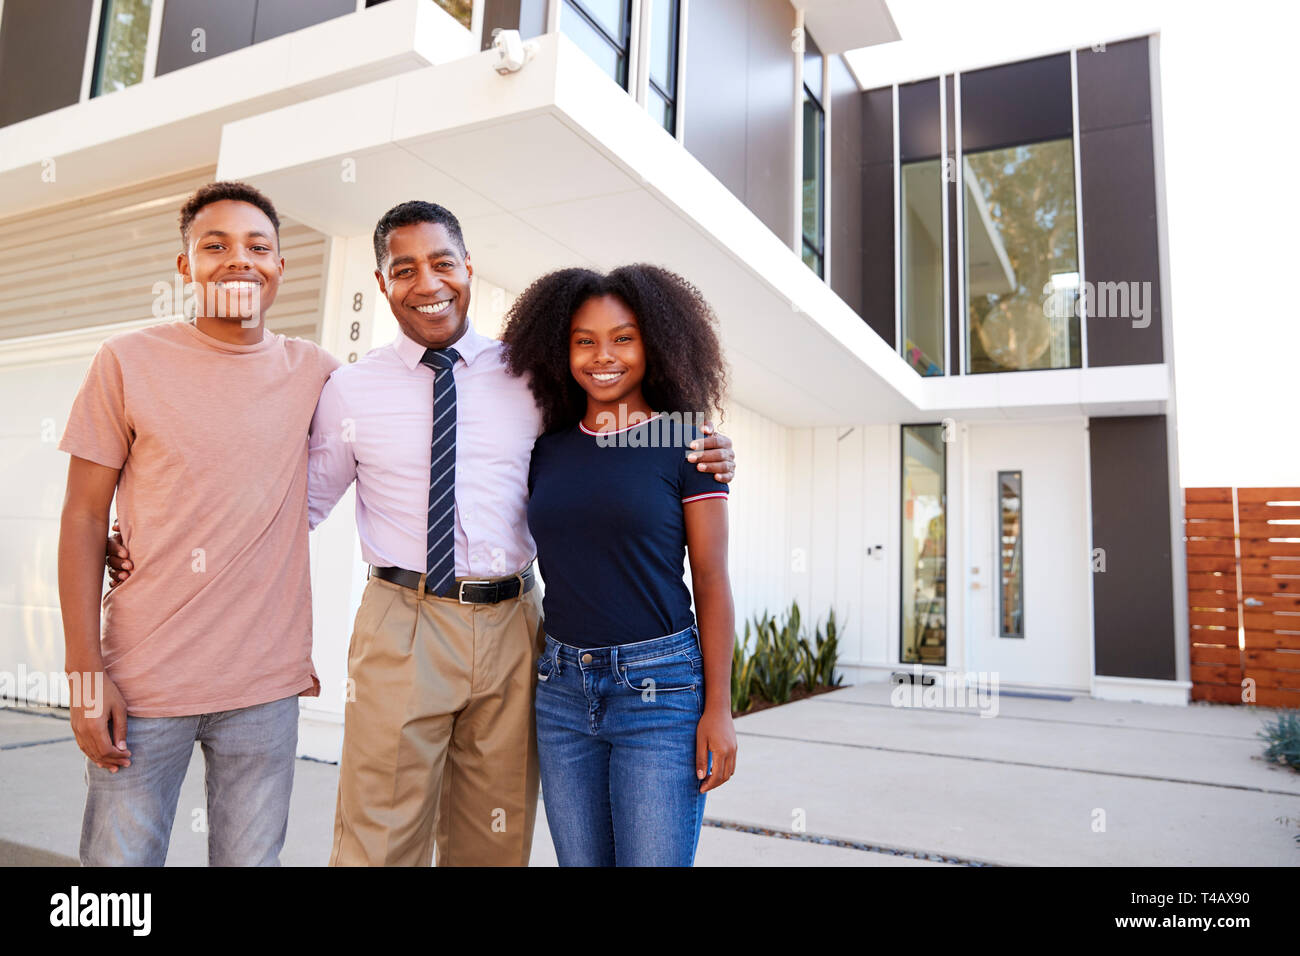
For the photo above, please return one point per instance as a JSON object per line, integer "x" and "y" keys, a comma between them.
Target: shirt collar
{"x": 470, "y": 346}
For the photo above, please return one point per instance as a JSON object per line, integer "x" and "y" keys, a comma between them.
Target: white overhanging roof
{"x": 173, "y": 122}
{"x": 556, "y": 166}
{"x": 841, "y": 25}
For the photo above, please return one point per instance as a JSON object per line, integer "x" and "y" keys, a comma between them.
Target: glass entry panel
{"x": 924, "y": 614}
{"x": 1011, "y": 603}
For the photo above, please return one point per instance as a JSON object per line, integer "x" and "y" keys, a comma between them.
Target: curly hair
{"x": 218, "y": 191}
{"x": 684, "y": 372}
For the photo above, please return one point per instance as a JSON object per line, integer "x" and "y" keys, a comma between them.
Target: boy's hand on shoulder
{"x": 713, "y": 453}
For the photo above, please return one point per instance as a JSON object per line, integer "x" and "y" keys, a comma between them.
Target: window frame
{"x": 902, "y": 532}
{"x": 624, "y": 51}
{"x": 646, "y": 82}
{"x": 817, "y": 248}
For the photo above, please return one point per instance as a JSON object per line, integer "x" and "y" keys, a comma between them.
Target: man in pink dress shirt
{"x": 440, "y": 729}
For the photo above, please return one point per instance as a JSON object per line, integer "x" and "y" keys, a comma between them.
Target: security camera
{"x": 512, "y": 51}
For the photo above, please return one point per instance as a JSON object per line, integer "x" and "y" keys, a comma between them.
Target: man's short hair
{"x": 216, "y": 192}
{"x": 413, "y": 213}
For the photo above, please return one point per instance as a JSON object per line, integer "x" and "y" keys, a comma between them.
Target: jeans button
{"x": 586, "y": 658}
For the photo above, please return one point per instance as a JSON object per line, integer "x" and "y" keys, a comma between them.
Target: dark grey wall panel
{"x": 1133, "y": 599}
{"x": 42, "y": 53}
{"x": 919, "y": 128}
{"x": 1121, "y": 245}
{"x": 739, "y": 102}
{"x": 1121, "y": 236}
{"x": 277, "y": 17}
{"x": 878, "y": 125}
{"x": 846, "y": 185}
{"x": 714, "y": 94}
{"x": 878, "y": 212}
{"x": 1114, "y": 85}
{"x": 227, "y": 26}
{"x": 770, "y": 173}
{"x": 878, "y": 249}
{"x": 526, "y": 16}
{"x": 1025, "y": 102}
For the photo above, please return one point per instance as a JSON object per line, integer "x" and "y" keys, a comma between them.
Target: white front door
{"x": 1050, "y": 521}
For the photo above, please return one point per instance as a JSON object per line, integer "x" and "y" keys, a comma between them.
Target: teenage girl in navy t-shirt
{"x": 634, "y": 690}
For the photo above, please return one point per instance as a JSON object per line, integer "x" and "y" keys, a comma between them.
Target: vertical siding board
{"x": 850, "y": 548}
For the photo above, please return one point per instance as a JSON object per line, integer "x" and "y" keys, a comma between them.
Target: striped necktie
{"x": 440, "y": 559}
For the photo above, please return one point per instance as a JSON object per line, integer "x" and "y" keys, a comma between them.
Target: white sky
{"x": 1228, "y": 91}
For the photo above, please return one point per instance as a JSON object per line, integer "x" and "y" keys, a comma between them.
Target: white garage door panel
{"x": 95, "y": 262}
{"x": 88, "y": 265}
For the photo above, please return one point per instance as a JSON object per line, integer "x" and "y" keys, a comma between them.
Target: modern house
{"x": 944, "y": 299}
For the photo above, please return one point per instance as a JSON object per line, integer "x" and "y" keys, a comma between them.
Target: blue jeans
{"x": 616, "y": 749}
{"x": 249, "y": 755}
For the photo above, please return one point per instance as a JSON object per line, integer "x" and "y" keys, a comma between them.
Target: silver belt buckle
{"x": 460, "y": 591}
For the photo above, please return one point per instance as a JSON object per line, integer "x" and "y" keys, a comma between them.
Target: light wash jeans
{"x": 616, "y": 749}
{"x": 249, "y": 755}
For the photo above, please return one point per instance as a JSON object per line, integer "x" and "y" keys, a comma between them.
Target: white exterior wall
{"x": 842, "y": 499}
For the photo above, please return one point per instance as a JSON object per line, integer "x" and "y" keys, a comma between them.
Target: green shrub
{"x": 1284, "y": 740}
{"x": 774, "y": 657}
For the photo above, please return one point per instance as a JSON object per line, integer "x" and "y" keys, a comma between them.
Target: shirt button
{"x": 586, "y": 658}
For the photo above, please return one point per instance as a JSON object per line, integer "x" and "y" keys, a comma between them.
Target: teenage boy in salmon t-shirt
{"x": 201, "y": 430}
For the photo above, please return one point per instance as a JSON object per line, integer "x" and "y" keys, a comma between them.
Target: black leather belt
{"x": 466, "y": 591}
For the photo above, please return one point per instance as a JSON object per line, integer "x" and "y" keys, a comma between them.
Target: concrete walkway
{"x": 847, "y": 779}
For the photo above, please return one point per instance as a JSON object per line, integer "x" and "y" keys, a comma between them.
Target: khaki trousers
{"x": 439, "y": 736}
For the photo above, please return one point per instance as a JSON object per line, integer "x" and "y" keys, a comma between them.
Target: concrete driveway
{"x": 847, "y": 779}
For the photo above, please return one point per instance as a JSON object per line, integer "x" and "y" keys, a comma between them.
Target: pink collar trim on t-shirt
{"x": 615, "y": 431}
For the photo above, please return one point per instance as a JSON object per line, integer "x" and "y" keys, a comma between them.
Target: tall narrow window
{"x": 1011, "y": 589}
{"x": 924, "y": 549}
{"x": 602, "y": 29}
{"x": 814, "y": 160}
{"x": 921, "y": 243}
{"x": 661, "y": 97}
{"x": 123, "y": 39}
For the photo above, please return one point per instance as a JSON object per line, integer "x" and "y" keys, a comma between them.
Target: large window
{"x": 602, "y": 29}
{"x": 1021, "y": 258}
{"x": 924, "y": 638}
{"x": 814, "y": 160}
{"x": 1019, "y": 223}
{"x": 123, "y": 39}
{"x": 661, "y": 96}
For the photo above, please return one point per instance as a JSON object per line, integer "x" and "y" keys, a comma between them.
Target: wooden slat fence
{"x": 1243, "y": 589}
